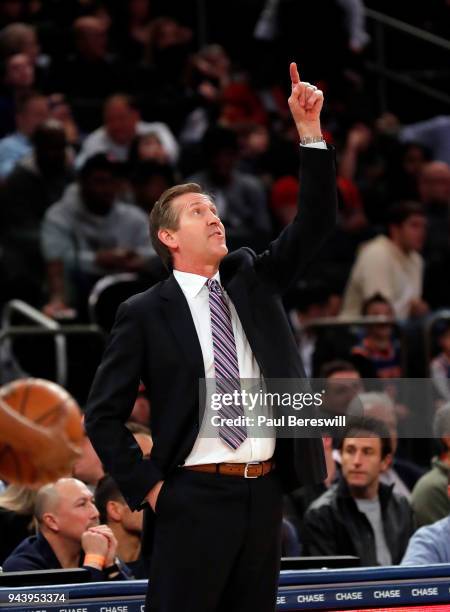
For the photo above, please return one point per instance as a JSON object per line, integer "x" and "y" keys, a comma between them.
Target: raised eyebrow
{"x": 210, "y": 205}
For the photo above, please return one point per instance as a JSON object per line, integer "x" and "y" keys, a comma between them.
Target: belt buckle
{"x": 246, "y": 475}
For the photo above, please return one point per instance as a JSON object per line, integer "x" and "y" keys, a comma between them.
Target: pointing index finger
{"x": 295, "y": 77}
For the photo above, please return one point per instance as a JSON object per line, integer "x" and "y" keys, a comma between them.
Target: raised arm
{"x": 288, "y": 255}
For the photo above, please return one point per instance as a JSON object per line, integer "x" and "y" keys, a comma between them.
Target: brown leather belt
{"x": 252, "y": 469}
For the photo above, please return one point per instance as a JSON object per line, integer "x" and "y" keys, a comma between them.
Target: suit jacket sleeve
{"x": 110, "y": 404}
{"x": 287, "y": 256}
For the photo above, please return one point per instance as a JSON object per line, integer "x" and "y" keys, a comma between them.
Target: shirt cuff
{"x": 315, "y": 145}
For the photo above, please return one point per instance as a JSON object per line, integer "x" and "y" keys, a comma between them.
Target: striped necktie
{"x": 225, "y": 363}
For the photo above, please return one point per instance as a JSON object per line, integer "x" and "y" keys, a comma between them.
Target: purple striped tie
{"x": 225, "y": 363}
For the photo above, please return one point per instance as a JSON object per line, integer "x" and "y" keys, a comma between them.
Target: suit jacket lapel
{"x": 176, "y": 311}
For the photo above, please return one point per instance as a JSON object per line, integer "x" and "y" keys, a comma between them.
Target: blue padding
{"x": 364, "y": 574}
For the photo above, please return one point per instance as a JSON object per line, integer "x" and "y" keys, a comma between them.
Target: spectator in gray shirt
{"x": 89, "y": 234}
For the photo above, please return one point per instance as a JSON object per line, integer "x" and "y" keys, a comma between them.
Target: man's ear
{"x": 167, "y": 238}
{"x": 386, "y": 462}
{"x": 50, "y": 521}
{"x": 114, "y": 510}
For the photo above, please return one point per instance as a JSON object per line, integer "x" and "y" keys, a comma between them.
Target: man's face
{"x": 33, "y": 115}
{"x": 434, "y": 183}
{"x": 99, "y": 191}
{"x": 222, "y": 164}
{"x": 413, "y": 161}
{"x": 200, "y": 237}
{"x": 362, "y": 463}
{"x": 19, "y": 71}
{"x": 380, "y": 309}
{"x": 120, "y": 122}
{"x": 131, "y": 521}
{"x": 75, "y": 511}
{"x": 341, "y": 388}
{"x": 92, "y": 41}
{"x": 412, "y": 232}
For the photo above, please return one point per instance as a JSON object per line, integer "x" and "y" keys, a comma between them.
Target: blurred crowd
{"x": 105, "y": 104}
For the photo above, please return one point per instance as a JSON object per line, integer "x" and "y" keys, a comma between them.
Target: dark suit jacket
{"x": 154, "y": 340}
{"x": 35, "y": 553}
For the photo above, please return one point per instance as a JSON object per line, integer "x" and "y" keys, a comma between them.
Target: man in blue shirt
{"x": 32, "y": 111}
{"x": 430, "y": 543}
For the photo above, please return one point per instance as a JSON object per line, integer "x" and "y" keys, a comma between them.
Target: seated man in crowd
{"x": 125, "y": 525}
{"x": 70, "y": 534}
{"x": 342, "y": 383}
{"x": 430, "y": 543}
{"x": 429, "y": 497}
{"x": 31, "y": 110}
{"x": 122, "y": 123}
{"x": 89, "y": 234}
{"x": 400, "y": 473}
{"x": 391, "y": 265}
{"x": 359, "y": 515}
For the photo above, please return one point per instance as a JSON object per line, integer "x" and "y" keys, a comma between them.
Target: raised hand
{"x": 305, "y": 103}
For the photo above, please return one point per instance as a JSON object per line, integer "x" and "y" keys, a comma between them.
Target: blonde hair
{"x": 18, "y": 499}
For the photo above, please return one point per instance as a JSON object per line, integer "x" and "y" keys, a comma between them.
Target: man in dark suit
{"x": 217, "y": 500}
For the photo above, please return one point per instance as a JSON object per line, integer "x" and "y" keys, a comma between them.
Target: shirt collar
{"x": 192, "y": 284}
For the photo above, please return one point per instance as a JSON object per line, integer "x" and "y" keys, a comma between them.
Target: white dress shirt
{"x": 214, "y": 450}
{"x": 208, "y": 449}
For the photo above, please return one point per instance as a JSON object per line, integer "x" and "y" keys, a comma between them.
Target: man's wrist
{"x": 311, "y": 140}
{"x": 309, "y": 131}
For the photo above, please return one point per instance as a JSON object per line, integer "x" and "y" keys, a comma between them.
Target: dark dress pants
{"x": 217, "y": 544}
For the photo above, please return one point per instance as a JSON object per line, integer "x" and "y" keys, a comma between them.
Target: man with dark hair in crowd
{"x": 149, "y": 180}
{"x": 89, "y": 233}
{"x": 400, "y": 472}
{"x": 36, "y": 182}
{"x": 342, "y": 383}
{"x": 359, "y": 515}
{"x": 240, "y": 198}
{"x": 31, "y": 111}
{"x": 391, "y": 265}
{"x": 429, "y": 497}
{"x": 125, "y": 524}
{"x": 69, "y": 535}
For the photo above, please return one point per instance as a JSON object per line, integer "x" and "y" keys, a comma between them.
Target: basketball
{"x": 46, "y": 404}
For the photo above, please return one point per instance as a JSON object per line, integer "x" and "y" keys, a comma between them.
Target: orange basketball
{"x": 44, "y": 403}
